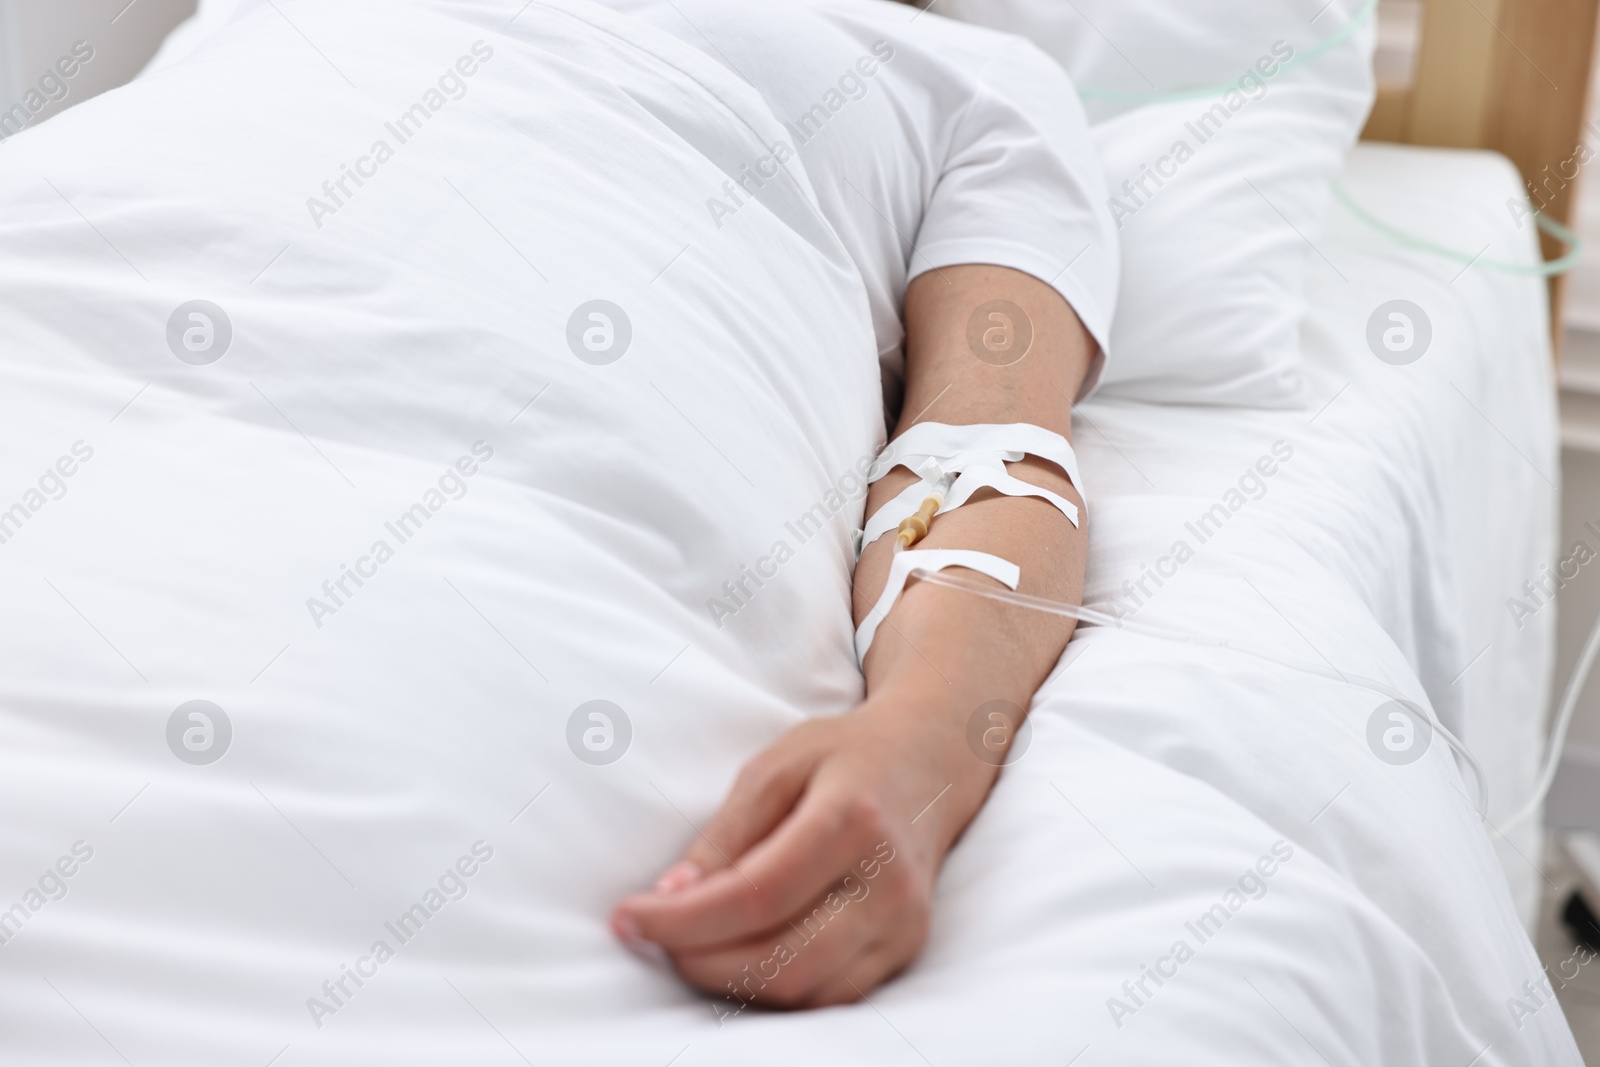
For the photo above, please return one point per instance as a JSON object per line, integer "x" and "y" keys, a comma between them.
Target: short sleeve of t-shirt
{"x": 930, "y": 143}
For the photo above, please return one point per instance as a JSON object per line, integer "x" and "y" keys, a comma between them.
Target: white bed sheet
{"x": 1451, "y": 505}
{"x": 1158, "y": 776}
{"x": 1478, "y": 455}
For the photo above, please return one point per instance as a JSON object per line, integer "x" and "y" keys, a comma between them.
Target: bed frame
{"x": 1507, "y": 75}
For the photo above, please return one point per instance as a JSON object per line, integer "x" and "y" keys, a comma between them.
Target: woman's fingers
{"x": 782, "y": 970}
{"x": 764, "y": 792}
{"x": 828, "y": 835}
{"x": 842, "y": 938}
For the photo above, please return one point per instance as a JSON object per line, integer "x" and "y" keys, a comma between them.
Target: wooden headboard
{"x": 1507, "y": 75}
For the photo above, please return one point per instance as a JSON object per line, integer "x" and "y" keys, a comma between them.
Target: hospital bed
{"x": 1223, "y": 794}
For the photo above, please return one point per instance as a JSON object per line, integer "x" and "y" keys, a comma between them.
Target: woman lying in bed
{"x": 974, "y": 221}
{"x": 392, "y": 837}
{"x": 963, "y": 244}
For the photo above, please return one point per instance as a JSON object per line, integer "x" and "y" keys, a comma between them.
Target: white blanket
{"x": 411, "y": 760}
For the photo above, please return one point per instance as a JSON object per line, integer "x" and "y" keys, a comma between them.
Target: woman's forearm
{"x": 942, "y": 653}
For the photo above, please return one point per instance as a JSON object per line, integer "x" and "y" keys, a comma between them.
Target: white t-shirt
{"x": 930, "y": 143}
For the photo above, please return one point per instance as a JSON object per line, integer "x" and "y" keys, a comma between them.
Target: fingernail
{"x": 627, "y": 931}
{"x": 626, "y": 927}
{"x": 680, "y": 875}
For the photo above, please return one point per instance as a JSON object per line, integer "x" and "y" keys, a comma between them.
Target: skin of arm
{"x": 814, "y": 881}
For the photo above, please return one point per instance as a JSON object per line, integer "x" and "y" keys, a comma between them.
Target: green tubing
{"x": 1298, "y": 60}
{"x": 1547, "y": 224}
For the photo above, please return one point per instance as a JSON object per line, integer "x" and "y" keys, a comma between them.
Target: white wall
{"x": 1582, "y": 301}
{"x": 124, "y": 35}
{"x": 1576, "y": 798}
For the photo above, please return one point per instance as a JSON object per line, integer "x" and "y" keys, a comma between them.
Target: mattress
{"x": 1202, "y": 854}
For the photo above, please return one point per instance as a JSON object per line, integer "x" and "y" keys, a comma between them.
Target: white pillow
{"x": 1214, "y": 257}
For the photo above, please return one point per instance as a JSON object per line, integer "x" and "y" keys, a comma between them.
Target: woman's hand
{"x": 813, "y": 883}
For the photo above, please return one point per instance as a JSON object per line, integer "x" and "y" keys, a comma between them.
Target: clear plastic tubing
{"x": 1098, "y": 618}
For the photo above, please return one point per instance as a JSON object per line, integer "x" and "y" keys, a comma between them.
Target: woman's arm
{"x": 945, "y": 646}
{"x": 813, "y": 883}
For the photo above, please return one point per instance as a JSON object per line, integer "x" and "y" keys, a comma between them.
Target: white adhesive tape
{"x": 889, "y": 517}
{"x": 979, "y": 453}
{"x": 930, "y": 559}
{"x": 950, "y": 444}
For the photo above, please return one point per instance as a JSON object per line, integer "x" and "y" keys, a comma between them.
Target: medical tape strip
{"x": 980, "y": 475}
{"x": 929, "y": 559}
{"x": 978, "y": 453}
{"x": 938, "y": 440}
